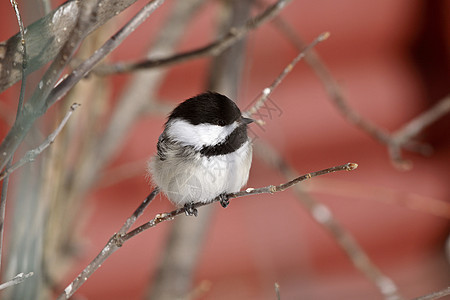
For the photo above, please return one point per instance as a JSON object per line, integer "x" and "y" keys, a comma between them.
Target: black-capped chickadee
{"x": 203, "y": 152}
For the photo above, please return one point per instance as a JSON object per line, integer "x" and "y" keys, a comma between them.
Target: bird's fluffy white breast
{"x": 201, "y": 178}
{"x": 199, "y": 135}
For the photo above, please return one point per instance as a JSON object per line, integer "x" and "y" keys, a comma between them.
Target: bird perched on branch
{"x": 204, "y": 152}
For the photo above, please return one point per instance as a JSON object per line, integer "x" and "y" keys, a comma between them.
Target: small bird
{"x": 204, "y": 152}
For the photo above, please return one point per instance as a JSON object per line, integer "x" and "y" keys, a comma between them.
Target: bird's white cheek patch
{"x": 198, "y": 135}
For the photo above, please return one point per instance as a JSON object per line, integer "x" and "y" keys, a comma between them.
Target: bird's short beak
{"x": 246, "y": 121}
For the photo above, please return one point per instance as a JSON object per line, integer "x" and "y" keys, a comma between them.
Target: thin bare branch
{"x": 16, "y": 280}
{"x": 435, "y": 295}
{"x": 118, "y": 239}
{"x": 249, "y": 191}
{"x": 32, "y": 154}
{"x": 267, "y": 91}
{"x": 212, "y": 49}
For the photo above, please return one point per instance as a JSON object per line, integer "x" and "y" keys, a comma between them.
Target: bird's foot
{"x": 224, "y": 200}
{"x": 190, "y": 210}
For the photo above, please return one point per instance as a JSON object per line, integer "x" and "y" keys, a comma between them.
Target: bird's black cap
{"x": 210, "y": 107}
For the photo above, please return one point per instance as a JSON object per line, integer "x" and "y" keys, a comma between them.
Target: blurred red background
{"x": 392, "y": 61}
